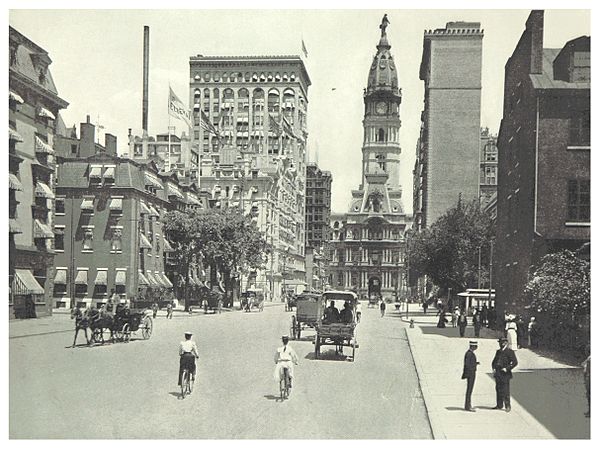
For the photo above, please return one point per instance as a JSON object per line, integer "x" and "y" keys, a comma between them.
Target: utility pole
{"x": 491, "y": 262}
{"x": 479, "y": 269}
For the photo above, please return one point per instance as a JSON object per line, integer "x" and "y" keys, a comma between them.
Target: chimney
{"x": 535, "y": 26}
{"x": 87, "y": 146}
{"x": 145, "y": 92}
{"x": 110, "y": 144}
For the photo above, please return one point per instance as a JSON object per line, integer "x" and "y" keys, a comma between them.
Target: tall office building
{"x": 447, "y": 154}
{"x": 368, "y": 245}
{"x": 249, "y": 117}
{"x": 33, "y": 106}
{"x": 488, "y": 167}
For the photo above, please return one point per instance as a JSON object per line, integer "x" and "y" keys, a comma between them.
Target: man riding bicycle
{"x": 285, "y": 357}
{"x": 188, "y": 353}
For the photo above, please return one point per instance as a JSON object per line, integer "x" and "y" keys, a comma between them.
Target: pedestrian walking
{"x": 358, "y": 311}
{"x": 587, "y": 373}
{"x": 455, "y": 315}
{"x": 169, "y": 310}
{"x": 440, "y": 305}
{"x": 469, "y": 370}
{"x": 504, "y": 362}
{"x": 425, "y": 307}
{"x": 477, "y": 323}
{"x": 154, "y": 309}
{"x": 521, "y": 333}
{"x": 462, "y": 323}
{"x": 382, "y": 307}
{"x": 511, "y": 332}
{"x": 442, "y": 320}
{"x": 484, "y": 315}
{"x": 532, "y": 330}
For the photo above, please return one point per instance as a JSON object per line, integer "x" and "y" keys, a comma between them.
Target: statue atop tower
{"x": 384, "y": 23}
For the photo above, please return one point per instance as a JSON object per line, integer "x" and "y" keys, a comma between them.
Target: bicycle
{"x": 284, "y": 384}
{"x": 187, "y": 384}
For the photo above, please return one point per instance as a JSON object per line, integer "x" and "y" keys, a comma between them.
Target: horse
{"x": 82, "y": 321}
{"x": 98, "y": 322}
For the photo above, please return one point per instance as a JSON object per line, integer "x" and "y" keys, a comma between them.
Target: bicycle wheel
{"x": 185, "y": 383}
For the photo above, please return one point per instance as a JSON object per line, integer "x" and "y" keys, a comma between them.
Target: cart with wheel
{"x": 338, "y": 334}
{"x": 128, "y": 321}
{"x": 309, "y": 309}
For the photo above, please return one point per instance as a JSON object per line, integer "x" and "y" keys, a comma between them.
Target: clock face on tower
{"x": 381, "y": 108}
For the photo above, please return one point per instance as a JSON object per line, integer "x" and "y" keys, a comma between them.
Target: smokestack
{"x": 145, "y": 93}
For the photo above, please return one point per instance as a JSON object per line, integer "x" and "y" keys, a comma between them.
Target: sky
{"x": 97, "y": 66}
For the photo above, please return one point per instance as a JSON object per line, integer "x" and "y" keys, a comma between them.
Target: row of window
{"x": 234, "y": 77}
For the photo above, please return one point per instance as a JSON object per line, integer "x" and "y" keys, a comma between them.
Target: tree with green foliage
{"x": 559, "y": 294}
{"x": 448, "y": 251}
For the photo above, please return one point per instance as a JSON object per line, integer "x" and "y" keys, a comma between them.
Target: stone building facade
{"x": 249, "y": 124}
{"x": 543, "y": 202}
{"x": 488, "y": 163}
{"x": 368, "y": 245}
{"x": 33, "y": 108}
{"x": 318, "y": 206}
{"x": 447, "y": 153}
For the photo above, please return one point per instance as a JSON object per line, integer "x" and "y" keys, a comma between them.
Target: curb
{"x": 434, "y": 424}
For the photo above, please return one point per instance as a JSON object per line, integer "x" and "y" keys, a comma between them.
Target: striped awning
{"x": 166, "y": 280}
{"x": 42, "y": 147}
{"x": 101, "y": 277}
{"x": 43, "y": 191}
{"x": 151, "y": 281}
{"x": 116, "y": 204}
{"x": 159, "y": 280}
{"x": 14, "y": 183}
{"x": 154, "y": 212}
{"x": 167, "y": 246}
{"x": 95, "y": 172}
{"x": 87, "y": 204}
{"x": 151, "y": 180}
{"x": 173, "y": 190}
{"x": 42, "y": 230}
{"x": 191, "y": 199}
{"x": 43, "y": 112}
{"x": 144, "y": 242}
{"x": 25, "y": 283}
{"x": 13, "y": 135}
{"x": 14, "y": 227}
{"x": 121, "y": 277}
{"x": 13, "y": 96}
{"x": 109, "y": 172}
{"x": 82, "y": 277}
{"x": 142, "y": 279}
{"x": 61, "y": 276}
{"x": 144, "y": 209}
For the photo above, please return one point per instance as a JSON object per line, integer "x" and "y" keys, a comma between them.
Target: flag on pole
{"x": 177, "y": 109}
{"x": 287, "y": 128}
{"x": 208, "y": 126}
{"x": 304, "y": 49}
{"x": 274, "y": 126}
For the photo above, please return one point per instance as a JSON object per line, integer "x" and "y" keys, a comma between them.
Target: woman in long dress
{"x": 511, "y": 334}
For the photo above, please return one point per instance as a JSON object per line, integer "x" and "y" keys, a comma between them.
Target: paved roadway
{"x": 130, "y": 390}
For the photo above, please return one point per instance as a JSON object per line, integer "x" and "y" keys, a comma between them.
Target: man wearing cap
{"x": 188, "y": 353}
{"x": 469, "y": 370}
{"x": 285, "y": 357}
{"x": 504, "y": 362}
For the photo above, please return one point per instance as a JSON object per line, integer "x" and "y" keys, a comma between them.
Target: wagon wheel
{"x": 147, "y": 328}
{"x": 293, "y": 328}
{"x": 126, "y": 332}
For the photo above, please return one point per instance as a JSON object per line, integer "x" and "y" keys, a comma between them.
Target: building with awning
{"x": 33, "y": 108}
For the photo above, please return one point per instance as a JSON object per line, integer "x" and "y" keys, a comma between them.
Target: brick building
{"x": 318, "y": 206}
{"x": 488, "y": 163}
{"x": 33, "y": 107}
{"x": 258, "y": 106}
{"x": 367, "y": 245}
{"x": 543, "y": 202}
{"x": 447, "y": 153}
{"x": 108, "y": 228}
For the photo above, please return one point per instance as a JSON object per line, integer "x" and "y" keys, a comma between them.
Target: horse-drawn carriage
{"x": 253, "y": 298}
{"x": 309, "y": 310}
{"x": 211, "y": 300}
{"x": 121, "y": 325}
{"x": 338, "y": 334}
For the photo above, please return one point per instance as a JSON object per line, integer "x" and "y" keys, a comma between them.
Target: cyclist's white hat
{"x": 187, "y": 333}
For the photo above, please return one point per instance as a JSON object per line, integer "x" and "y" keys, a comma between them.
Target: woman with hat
{"x": 188, "y": 353}
{"x": 511, "y": 332}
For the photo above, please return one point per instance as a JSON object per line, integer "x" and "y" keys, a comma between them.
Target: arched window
{"x": 273, "y": 100}
{"x": 381, "y": 135}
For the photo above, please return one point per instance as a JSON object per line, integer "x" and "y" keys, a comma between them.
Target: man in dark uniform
{"x": 462, "y": 323}
{"x": 504, "y": 362}
{"x": 469, "y": 370}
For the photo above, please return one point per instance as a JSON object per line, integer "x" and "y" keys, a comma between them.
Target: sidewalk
{"x": 547, "y": 397}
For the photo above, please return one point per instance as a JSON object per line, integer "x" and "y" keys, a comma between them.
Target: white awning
{"x": 95, "y": 172}
{"x": 43, "y": 112}
{"x": 151, "y": 180}
{"x": 61, "y": 276}
{"x": 121, "y": 277}
{"x": 43, "y": 191}
{"x": 101, "y": 277}
{"x": 167, "y": 246}
{"x": 42, "y": 230}
{"x": 42, "y": 147}
{"x": 13, "y": 96}
{"x": 82, "y": 277}
{"x": 154, "y": 212}
{"x": 144, "y": 209}
{"x": 13, "y": 135}
{"x": 151, "y": 281}
{"x": 25, "y": 283}
{"x": 14, "y": 227}
{"x": 109, "y": 172}
{"x": 142, "y": 279}
{"x": 159, "y": 280}
{"x": 116, "y": 204}
{"x": 144, "y": 242}
{"x": 173, "y": 190}
{"x": 192, "y": 199}
{"x": 87, "y": 204}
{"x": 166, "y": 280}
{"x": 14, "y": 183}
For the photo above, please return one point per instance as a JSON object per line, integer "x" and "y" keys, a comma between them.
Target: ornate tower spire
{"x": 383, "y": 75}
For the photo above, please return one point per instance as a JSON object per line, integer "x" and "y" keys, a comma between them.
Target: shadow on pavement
{"x": 452, "y": 332}
{"x": 329, "y": 355}
{"x": 176, "y": 394}
{"x": 272, "y": 397}
{"x": 555, "y": 398}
